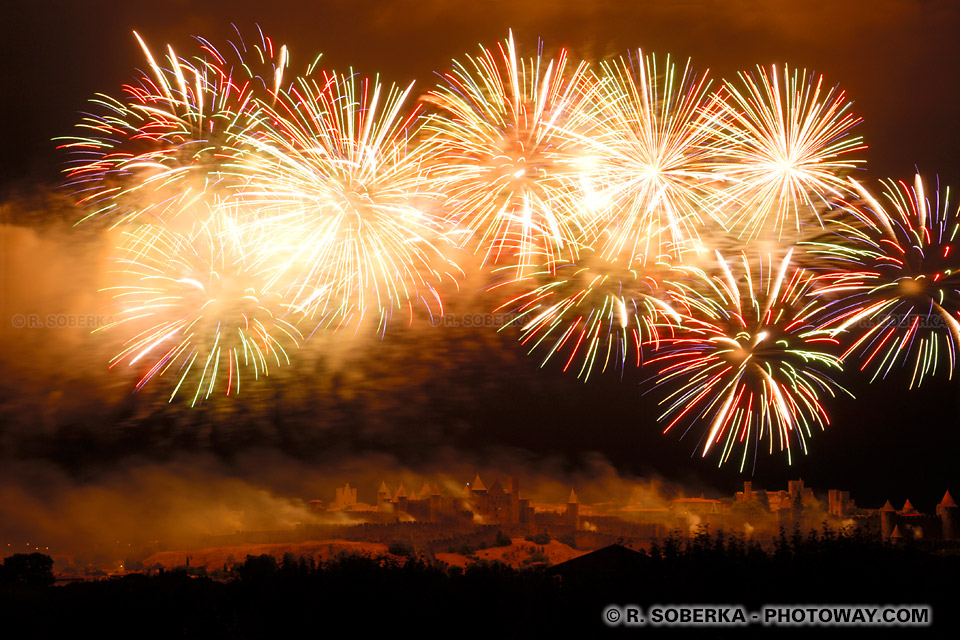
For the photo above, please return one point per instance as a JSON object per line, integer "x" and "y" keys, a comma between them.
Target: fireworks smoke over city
{"x": 656, "y": 249}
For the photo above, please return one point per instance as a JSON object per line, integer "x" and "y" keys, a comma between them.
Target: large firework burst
{"x": 751, "y": 363}
{"x": 355, "y": 226}
{"x": 898, "y": 281}
{"x": 507, "y": 157}
{"x": 785, "y": 144}
{"x": 652, "y": 181}
{"x": 198, "y": 307}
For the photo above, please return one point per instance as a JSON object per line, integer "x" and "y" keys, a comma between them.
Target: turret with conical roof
{"x": 887, "y": 520}
{"x": 908, "y": 509}
{"x": 425, "y": 490}
{"x": 383, "y": 496}
{"x": 896, "y": 537}
{"x": 949, "y": 517}
{"x": 478, "y": 485}
{"x": 400, "y": 498}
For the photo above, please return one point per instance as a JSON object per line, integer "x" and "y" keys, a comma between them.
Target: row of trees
{"x": 265, "y": 597}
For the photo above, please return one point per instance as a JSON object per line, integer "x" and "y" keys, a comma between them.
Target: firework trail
{"x": 163, "y": 145}
{"x": 198, "y": 309}
{"x": 897, "y": 281}
{"x": 653, "y": 180}
{"x": 750, "y": 361}
{"x": 784, "y": 145}
{"x": 507, "y": 156}
{"x": 353, "y": 222}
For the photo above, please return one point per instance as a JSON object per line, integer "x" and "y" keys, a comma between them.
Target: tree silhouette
{"x": 31, "y": 569}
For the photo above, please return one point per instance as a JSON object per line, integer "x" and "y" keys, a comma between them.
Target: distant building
{"x": 696, "y": 506}
{"x": 911, "y": 523}
{"x": 573, "y": 511}
{"x": 748, "y": 494}
{"x": 949, "y": 517}
{"x": 475, "y": 503}
{"x": 839, "y": 503}
{"x": 481, "y": 510}
{"x": 346, "y": 497}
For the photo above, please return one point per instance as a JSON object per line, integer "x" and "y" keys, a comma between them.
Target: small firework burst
{"x": 897, "y": 281}
{"x": 598, "y": 313}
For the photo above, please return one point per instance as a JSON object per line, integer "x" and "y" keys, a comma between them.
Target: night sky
{"x": 896, "y": 59}
{"x": 434, "y": 400}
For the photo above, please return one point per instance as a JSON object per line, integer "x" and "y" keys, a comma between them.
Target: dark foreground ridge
{"x": 364, "y": 597}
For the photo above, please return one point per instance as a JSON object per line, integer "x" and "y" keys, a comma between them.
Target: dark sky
{"x": 897, "y": 60}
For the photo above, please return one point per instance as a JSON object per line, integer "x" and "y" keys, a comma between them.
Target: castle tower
{"x": 908, "y": 509}
{"x": 400, "y": 498}
{"x": 383, "y": 498}
{"x": 514, "y": 500}
{"x": 478, "y": 491}
{"x": 573, "y": 511}
{"x": 834, "y": 503}
{"x": 425, "y": 491}
{"x": 887, "y": 520}
{"x": 795, "y": 489}
{"x": 497, "y": 505}
{"x": 949, "y": 517}
{"x": 838, "y": 502}
{"x": 527, "y": 515}
{"x": 346, "y": 496}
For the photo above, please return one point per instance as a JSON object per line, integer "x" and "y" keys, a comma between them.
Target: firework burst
{"x": 507, "y": 155}
{"x": 164, "y": 145}
{"x": 652, "y": 181}
{"x": 785, "y": 144}
{"x": 198, "y": 308}
{"x": 750, "y": 363}
{"x": 898, "y": 281}
{"x": 599, "y": 312}
{"x": 356, "y": 228}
